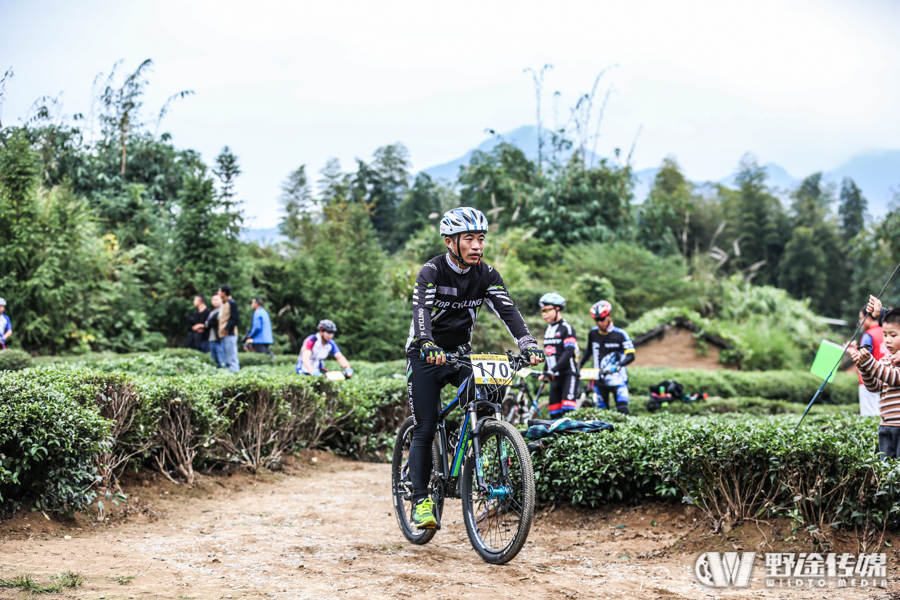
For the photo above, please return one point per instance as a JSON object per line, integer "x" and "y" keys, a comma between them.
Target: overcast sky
{"x": 805, "y": 84}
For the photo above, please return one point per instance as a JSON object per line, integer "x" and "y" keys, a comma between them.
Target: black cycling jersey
{"x": 446, "y": 301}
{"x": 559, "y": 346}
{"x": 609, "y": 350}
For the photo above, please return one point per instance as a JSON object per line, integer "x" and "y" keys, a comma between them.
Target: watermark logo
{"x": 830, "y": 570}
{"x": 793, "y": 570}
{"x": 725, "y": 569}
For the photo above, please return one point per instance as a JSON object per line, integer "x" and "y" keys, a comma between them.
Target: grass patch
{"x": 69, "y": 579}
{"x": 26, "y": 583}
{"x": 124, "y": 579}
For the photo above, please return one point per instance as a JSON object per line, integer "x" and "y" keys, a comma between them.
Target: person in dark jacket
{"x": 196, "y": 340}
{"x": 228, "y": 321}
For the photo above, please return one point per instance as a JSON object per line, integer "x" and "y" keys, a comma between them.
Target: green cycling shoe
{"x": 423, "y": 515}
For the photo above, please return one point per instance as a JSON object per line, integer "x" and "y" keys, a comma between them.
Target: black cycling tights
{"x": 424, "y": 383}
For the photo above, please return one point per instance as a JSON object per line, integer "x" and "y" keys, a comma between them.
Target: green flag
{"x": 826, "y": 358}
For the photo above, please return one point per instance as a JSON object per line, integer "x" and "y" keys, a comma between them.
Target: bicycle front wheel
{"x": 498, "y": 518}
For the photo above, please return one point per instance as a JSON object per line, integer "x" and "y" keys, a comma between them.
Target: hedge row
{"x": 64, "y": 431}
{"x": 760, "y": 407}
{"x": 792, "y": 386}
{"x": 733, "y": 467}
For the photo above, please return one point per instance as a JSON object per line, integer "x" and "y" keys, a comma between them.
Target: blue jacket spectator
{"x": 5, "y": 325}
{"x": 260, "y": 336}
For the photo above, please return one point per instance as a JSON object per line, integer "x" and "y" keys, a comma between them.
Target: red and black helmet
{"x": 601, "y": 310}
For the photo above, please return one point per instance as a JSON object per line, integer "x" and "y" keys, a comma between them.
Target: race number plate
{"x": 335, "y": 375}
{"x": 491, "y": 369}
{"x": 590, "y": 373}
{"x": 524, "y": 372}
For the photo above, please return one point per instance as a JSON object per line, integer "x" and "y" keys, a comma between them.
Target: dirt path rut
{"x": 329, "y": 532}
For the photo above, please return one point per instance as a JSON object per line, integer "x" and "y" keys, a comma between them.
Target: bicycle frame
{"x": 468, "y": 436}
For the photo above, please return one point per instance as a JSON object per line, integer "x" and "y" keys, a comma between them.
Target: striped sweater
{"x": 881, "y": 377}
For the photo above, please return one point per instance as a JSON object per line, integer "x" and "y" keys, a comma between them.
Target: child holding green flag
{"x": 881, "y": 376}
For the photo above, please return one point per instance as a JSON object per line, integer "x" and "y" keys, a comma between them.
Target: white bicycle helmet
{"x": 462, "y": 220}
{"x": 552, "y": 299}
{"x": 327, "y": 325}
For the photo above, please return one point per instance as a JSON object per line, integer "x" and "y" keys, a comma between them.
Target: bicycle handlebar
{"x": 456, "y": 359}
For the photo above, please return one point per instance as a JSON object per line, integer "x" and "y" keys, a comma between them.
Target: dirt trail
{"x": 328, "y": 531}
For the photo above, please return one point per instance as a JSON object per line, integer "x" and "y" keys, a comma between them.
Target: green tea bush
{"x": 14, "y": 360}
{"x": 250, "y": 419}
{"x": 597, "y": 469}
{"x": 733, "y": 467}
{"x": 185, "y": 418}
{"x": 267, "y": 416}
{"x": 255, "y": 359}
{"x": 375, "y": 408}
{"x": 49, "y": 446}
{"x": 792, "y": 386}
{"x": 115, "y": 396}
{"x": 159, "y": 365}
{"x": 759, "y": 407}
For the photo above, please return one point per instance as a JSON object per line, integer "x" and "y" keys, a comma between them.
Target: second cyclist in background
{"x": 317, "y": 348}
{"x": 559, "y": 347}
{"x": 611, "y": 349}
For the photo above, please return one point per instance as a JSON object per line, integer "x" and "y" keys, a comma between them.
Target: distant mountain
{"x": 876, "y": 173}
{"x": 777, "y": 177}
{"x": 643, "y": 181}
{"x": 525, "y": 138}
{"x": 265, "y": 237}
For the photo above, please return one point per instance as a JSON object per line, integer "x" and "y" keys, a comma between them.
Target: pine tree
{"x": 758, "y": 224}
{"x": 296, "y": 201}
{"x": 852, "y": 210}
{"x": 206, "y": 248}
{"x": 421, "y": 208}
{"x": 334, "y": 184}
{"x": 227, "y": 171}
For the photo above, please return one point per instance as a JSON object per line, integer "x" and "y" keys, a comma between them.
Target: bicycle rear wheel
{"x": 509, "y": 409}
{"x": 401, "y": 486}
{"x": 498, "y": 520}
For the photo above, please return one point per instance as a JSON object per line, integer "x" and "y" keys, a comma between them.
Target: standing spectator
{"x": 196, "y": 339}
{"x": 260, "y": 337}
{"x": 228, "y": 320}
{"x": 873, "y": 337}
{"x": 211, "y": 328}
{"x": 5, "y": 326}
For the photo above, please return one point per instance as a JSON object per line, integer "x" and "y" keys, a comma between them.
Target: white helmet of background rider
{"x": 462, "y": 220}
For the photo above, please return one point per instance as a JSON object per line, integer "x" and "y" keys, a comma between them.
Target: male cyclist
{"x": 318, "y": 347}
{"x": 559, "y": 346}
{"x": 450, "y": 290}
{"x": 611, "y": 349}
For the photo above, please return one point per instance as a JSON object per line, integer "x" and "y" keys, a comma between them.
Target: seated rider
{"x": 450, "y": 289}
{"x": 559, "y": 346}
{"x": 318, "y": 347}
{"x": 611, "y": 349}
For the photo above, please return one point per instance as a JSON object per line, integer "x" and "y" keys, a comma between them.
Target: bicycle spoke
{"x": 497, "y": 518}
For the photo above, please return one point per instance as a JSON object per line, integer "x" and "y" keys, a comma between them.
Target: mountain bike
{"x": 588, "y": 378}
{"x": 485, "y": 463}
{"x": 520, "y": 404}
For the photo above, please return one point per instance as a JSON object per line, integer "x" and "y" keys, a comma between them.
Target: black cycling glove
{"x": 534, "y": 351}
{"x": 431, "y": 350}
